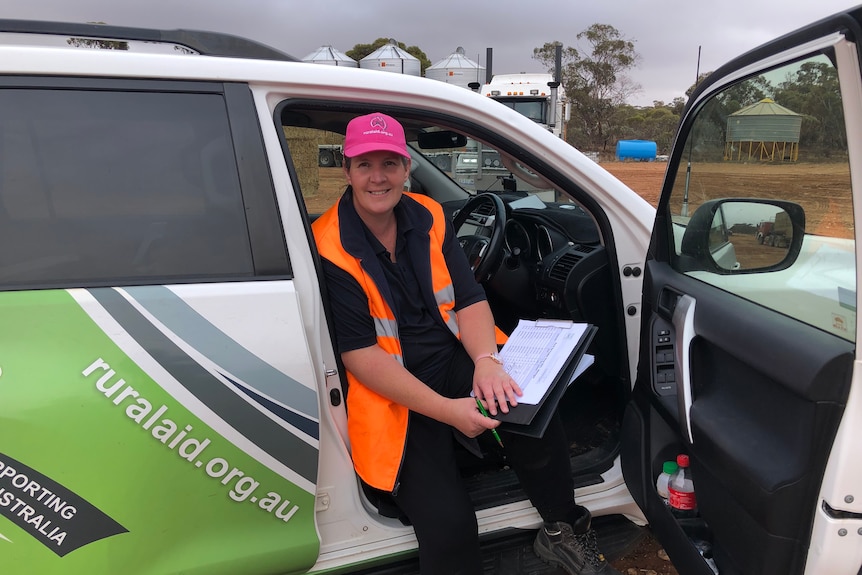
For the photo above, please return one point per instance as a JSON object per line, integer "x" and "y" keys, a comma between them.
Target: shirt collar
{"x": 404, "y": 223}
{"x": 354, "y": 231}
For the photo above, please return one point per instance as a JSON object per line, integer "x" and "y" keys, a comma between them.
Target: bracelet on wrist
{"x": 492, "y": 356}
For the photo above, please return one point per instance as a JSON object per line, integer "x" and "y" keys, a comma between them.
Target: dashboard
{"x": 551, "y": 256}
{"x": 538, "y": 243}
{"x": 553, "y": 266}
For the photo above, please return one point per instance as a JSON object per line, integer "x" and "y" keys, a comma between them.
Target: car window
{"x": 765, "y": 177}
{"x": 117, "y": 186}
{"x": 461, "y": 168}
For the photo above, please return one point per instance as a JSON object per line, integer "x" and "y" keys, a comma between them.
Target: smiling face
{"x": 378, "y": 181}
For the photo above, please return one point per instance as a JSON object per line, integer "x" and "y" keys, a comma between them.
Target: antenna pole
{"x": 688, "y": 168}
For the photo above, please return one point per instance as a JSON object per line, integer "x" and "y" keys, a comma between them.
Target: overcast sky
{"x": 666, "y": 34}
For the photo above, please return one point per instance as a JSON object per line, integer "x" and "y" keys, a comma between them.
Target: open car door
{"x": 748, "y": 340}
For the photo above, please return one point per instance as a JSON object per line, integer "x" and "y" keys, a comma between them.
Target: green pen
{"x": 485, "y": 413}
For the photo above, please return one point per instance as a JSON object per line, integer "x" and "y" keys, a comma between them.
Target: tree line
{"x": 595, "y": 78}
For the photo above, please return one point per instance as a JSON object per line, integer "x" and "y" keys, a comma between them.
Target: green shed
{"x": 763, "y": 131}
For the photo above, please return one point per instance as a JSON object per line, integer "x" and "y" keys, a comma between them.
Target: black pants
{"x": 432, "y": 494}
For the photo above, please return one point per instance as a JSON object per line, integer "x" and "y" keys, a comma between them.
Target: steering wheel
{"x": 482, "y": 240}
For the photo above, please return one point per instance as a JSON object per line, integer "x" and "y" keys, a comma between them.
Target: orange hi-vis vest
{"x": 378, "y": 426}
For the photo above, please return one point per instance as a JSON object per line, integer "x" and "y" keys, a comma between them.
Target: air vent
{"x": 585, "y": 249}
{"x": 483, "y": 214}
{"x": 561, "y": 268}
{"x": 484, "y": 209}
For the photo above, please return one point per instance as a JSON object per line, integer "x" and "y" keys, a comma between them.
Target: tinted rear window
{"x": 115, "y": 186}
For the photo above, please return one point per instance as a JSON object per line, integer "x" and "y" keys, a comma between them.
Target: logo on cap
{"x": 374, "y": 132}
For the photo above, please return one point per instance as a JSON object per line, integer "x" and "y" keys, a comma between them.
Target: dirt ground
{"x": 822, "y": 189}
{"x": 643, "y": 177}
{"x": 648, "y": 558}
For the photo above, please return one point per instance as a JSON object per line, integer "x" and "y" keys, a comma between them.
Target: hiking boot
{"x": 556, "y": 544}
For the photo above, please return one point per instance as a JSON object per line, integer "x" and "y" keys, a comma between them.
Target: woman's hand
{"x": 463, "y": 414}
{"x": 493, "y": 385}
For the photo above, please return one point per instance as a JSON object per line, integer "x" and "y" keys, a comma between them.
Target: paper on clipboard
{"x": 586, "y": 361}
{"x": 537, "y": 351}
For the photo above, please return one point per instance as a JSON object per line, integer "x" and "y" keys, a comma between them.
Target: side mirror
{"x": 741, "y": 235}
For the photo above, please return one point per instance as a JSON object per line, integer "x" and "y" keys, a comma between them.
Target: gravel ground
{"x": 648, "y": 558}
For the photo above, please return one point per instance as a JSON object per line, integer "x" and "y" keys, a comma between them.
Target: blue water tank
{"x": 641, "y": 150}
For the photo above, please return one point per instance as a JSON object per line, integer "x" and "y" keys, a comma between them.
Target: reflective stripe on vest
{"x": 387, "y": 337}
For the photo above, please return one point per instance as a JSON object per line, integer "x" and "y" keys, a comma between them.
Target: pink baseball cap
{"x": 372, "y": 133}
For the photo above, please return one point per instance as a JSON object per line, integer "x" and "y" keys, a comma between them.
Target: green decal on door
{"x": 107, "y": 464}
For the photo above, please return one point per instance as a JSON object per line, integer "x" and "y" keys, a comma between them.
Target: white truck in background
{"x": 534, "y": 95}
{"x": 537, "y": 96}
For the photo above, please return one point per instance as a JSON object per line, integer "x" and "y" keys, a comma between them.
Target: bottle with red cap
{"x": 680, "y": 489}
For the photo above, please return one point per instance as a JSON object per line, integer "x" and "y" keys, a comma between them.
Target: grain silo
{"x": 391, "y": 58}
{"x": 763, "y": 131}
{"x": 456, "y": 68}
{"x": 329, "y": 56}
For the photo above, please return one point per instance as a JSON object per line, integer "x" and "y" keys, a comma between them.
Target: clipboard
{"x": 533, "y": 419}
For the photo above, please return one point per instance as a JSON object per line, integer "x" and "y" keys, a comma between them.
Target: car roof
{"x": 199, "y": 41}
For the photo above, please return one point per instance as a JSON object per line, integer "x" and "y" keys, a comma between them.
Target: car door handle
{"x": 683, "y": 323}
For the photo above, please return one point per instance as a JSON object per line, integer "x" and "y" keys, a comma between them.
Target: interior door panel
{"x": 766, "y": 396}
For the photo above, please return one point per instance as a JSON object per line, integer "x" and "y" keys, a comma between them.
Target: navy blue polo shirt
{"x": 426, "y": 342}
